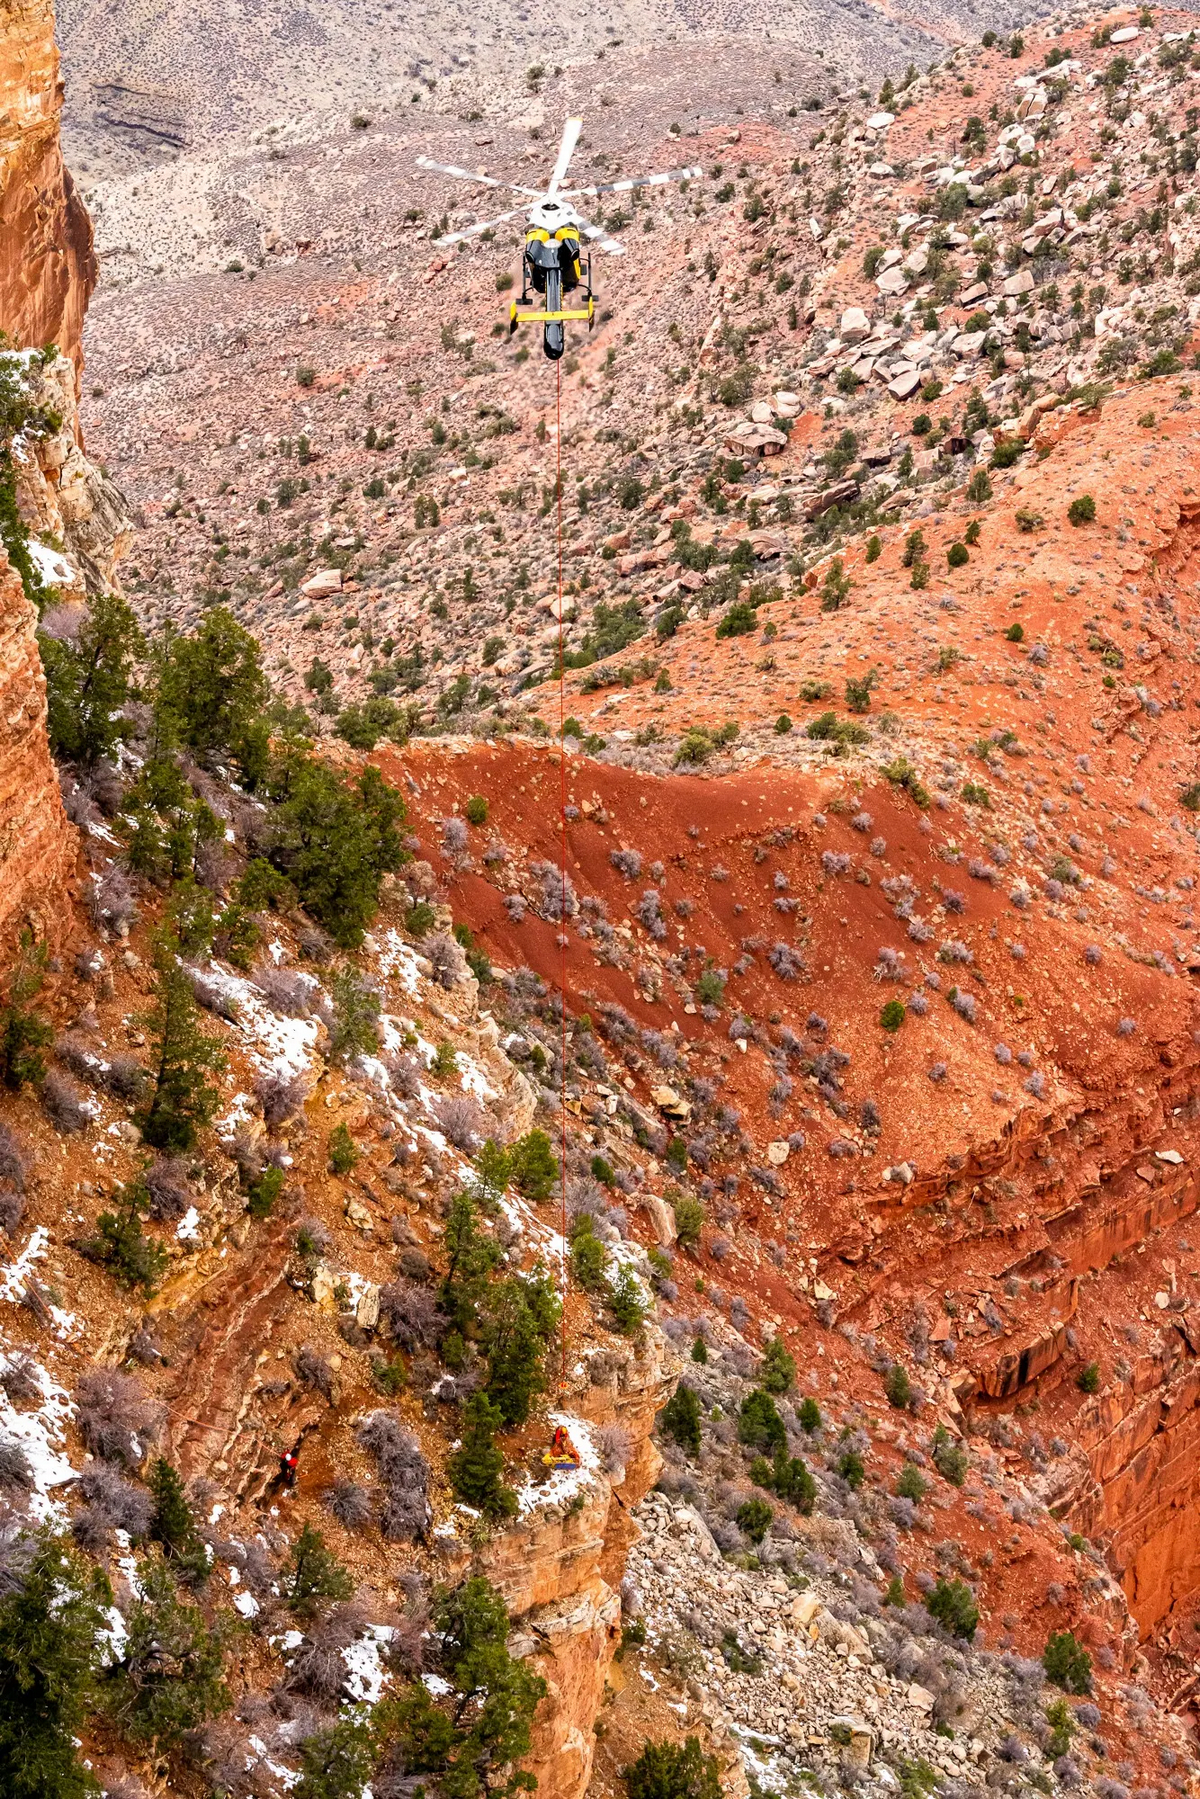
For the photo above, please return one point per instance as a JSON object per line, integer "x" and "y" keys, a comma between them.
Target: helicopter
{"x": 553, "y": 262}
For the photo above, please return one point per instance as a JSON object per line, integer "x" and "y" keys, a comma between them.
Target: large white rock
{"x": 855, "y": 325}
{"x": 1020, "y": 283}
{"x": 879, "y": 121}
{"x": 904, "y": 385}
{"x": 1126, "y": 35}
{"x": 326, "y": 581}
{"x": 892, "y": 281}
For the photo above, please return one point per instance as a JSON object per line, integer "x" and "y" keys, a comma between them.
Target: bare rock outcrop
{"x": 36, "y": 842}
{"x": 47, "y": 263}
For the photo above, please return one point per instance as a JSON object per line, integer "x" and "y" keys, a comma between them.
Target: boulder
{"x": 879, "y": 121}
{"x": 325, "y": 582}
{"x": 904, "y": 385}
{"x": 855, "y": 325}
{"x": 892, "y": 281}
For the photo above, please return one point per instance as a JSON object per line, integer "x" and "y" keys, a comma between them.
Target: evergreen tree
{"x": 674, "y": 1771}
{"x": 355, "y": 1028}
{"x": 759, "y": 1423}
{"x": 680, "y": 1418}
{"x": 121, "y": 1245}
{"x": 778, "y": 1371}
{"x": 89, "y": 680}
{"x": 181, "y": 1099}
{"x": 476, "y": 1469}
{"x": 168, "y": 1680}
{"x": 336, "y": 1763}
{"x": 24, "y": 1033}
{"x": 498, "y": 1694}
{"x": 335, "y": 841}
{"x": 50, "y": 1623}
{"x": 174, "y": 1525}
{"x": 520, "y": 1321}
{"x": 214, "y": 685}
{"x": 471, "y": 1257}
{"x": 313, "y": 1573}
{"x": 534, "y": 1166}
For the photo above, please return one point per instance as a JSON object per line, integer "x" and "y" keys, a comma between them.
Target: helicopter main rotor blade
{"x": 624, "y": 187}
{"x": 449, "y": 168}
{"x": 459, "y": 237}
{"x": 566, "y": 150}
{"x": 601, "y": 239}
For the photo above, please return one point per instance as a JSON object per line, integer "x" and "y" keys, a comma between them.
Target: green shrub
{"x": 262, "y": 1193}
{"x": 24, "y": 1033}
{"x": 120, "y": 1244}
{"x": 673, "y": 1771}
{"x": 950, "y": 1458}
{"x": 355, "y": 1027}
{"x": 1082, "y": 510}
{"x": 534, "y": 1166}
{"x": 783, "y": 725}
{"x": 700, "y": 1351}
{"x": 895, "y": 1594}
{"x": 778, "y": 1370}
{"x": 953, "y": 1605}
{"x": 476, "y": 1468}
{"x": 808, "y": 1414}
{"x": 979, "y": 488}
{"x": 897, "y": 1386}
{"x": 835, "y": 589}
{"x": 957, "y": 555}
{"x": 305, "y": 377}
{"x": 680, "y": 1419}
{"x": 337, "y": 1761}
{"x": 911, "y": 1483}
{"x": 689, "y": 1220}
{"x": 754, "y": 1517}
{"x": 1088, "y": 1379}
{"x": 892, "y": 1014}
{"x": 589, "y": 1258}
{"x": 343, "y": 1151}
{"x": 1067, "y": 1663}
{"x": 759, "y": 1423}
{"x": 1015, "y": 633}
{"x": 874, "y": 548}
{"x": 790, "y": 1478}
{"x": 53, "y": 1625}
{"x": 852, "y": 1468}
{"x": 626, "y": 1302}
{"x": 476, "y": 809}
{"x": 859, "y": 689}
{"x": 740, "y": 620}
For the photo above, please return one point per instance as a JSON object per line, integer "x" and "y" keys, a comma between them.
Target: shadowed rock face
{"x": 47, "y": 264}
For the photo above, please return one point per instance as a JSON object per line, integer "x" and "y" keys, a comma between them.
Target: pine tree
{"x": 214, "y": 684}
{"x": 181, "y": 1099}
{"x": 120, "y": 1244}
{"x": 680, "y": 1418}
{"x": 337, "y": 1762}
{"x": 521, "y": 1317}
{"x": 334, "y": 841}
{"x": 88, "y": 681}
{"x": 24, "y": 1033}
{"x": 471, "y": 1257}
{"x": 534, "y": 1166}
{"x": 674, "y": 1771}
{"x": 174, "y": 1525}
{"x": 168, "y": 1680}
{"x": 476, "y": 1469}
{"x": 778, "y": 1371}
{"x": 313, "y": 1573}
{"x": 50, "y": 1643}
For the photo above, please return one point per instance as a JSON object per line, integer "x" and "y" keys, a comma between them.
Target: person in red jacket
{"x": 288, "y": 1463}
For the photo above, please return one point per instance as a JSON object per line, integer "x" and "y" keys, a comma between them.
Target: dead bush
{"x": 350, "y": 1503}
{"x": 167, "y": 1184}
{"x": 281, "y": 1096}
{"x": 314, "y": 1370}
{"x": 14, "y": 1161}
{"x": 461, "y": 1121}
{"x": 117, "y": 1419}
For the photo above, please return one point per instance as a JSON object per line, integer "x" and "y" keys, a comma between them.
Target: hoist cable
{"x": 562, "y": 815}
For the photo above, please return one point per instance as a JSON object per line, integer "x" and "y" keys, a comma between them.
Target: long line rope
{"x": 562, "y": 817}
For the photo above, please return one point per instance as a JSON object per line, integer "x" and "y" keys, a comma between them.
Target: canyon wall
{"x": 47, "y": 263}
{"x": 37, "y": 845}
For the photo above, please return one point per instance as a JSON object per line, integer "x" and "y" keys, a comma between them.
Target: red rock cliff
{"x": 37, "y": 847}
{"x": 47, "y": 264}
